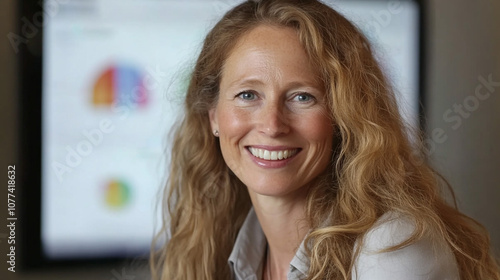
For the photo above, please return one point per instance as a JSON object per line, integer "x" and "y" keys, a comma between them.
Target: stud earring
{"x": 216, "y": 133}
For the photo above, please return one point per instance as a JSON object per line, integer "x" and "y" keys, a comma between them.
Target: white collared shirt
{"x": 422, "y": 260}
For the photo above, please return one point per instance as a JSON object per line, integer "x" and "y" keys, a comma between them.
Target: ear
{"x": 212, "y": 114}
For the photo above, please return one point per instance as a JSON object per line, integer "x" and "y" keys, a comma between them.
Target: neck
{"x": 283, "y": 221}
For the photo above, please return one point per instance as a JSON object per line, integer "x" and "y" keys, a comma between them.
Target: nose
{"x": 272, "y": 120}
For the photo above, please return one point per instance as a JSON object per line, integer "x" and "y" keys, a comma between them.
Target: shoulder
{"x": 427, "y": 258}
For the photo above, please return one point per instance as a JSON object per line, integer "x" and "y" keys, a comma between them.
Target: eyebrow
{"x": 246, "y": 82}
{"x": 256, "y": 81}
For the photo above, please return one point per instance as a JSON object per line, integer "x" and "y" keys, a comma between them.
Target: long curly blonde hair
{"x": 375, "y": 169}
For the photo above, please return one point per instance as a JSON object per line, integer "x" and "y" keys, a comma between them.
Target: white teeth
{"x": 272, "y": 155}
{"x": 267, "y": 155}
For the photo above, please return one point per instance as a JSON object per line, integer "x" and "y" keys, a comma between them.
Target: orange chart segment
{"x": 103, "y": 89}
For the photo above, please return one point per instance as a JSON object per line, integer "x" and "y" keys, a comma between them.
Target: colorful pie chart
{"x": 119, "y": 84}
{"x": 117, "y": 194}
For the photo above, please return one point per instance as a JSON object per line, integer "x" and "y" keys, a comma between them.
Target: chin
{"x": 276, "y": 189}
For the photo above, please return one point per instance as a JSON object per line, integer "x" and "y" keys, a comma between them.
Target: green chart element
{"x": 118, "y": 194}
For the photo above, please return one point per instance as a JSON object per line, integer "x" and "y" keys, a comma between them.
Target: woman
{"x": 292, "y": 162}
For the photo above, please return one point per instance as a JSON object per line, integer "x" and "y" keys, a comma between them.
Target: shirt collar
{"x": 299, "y": 266}
{"x": 246, "y": 259}
{"x": 249, "y": 249}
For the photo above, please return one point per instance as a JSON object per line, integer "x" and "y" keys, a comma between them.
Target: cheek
{"x": 232, "y": 122}
{"x": 234, "y": 125}
{"x": 318, "y": 128}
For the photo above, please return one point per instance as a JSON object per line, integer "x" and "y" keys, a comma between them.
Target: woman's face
{"x": 274, "y": 126}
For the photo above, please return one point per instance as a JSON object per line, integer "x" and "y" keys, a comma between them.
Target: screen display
{"x": 114, "y": 77}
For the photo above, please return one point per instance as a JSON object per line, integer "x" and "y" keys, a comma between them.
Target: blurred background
{"x": 462, "y": 44}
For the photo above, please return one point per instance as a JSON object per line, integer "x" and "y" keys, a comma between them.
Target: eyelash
{"x": 254, "y": 96}
{"x": 312, "y": 98}
{"x": 240, "y": 95}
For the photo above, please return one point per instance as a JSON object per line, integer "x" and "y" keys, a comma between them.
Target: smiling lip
{"x": 272, "y": 156}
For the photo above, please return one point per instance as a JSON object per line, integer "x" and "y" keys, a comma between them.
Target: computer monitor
{"x": 102, "y": 84}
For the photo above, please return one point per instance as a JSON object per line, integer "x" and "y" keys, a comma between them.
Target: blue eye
{"x": 304, "y": 97}
{"x": 247, "y": 95}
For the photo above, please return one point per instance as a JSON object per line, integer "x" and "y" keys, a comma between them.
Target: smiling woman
{"x": 271, "y": 105}
{"x": 292, "y": 162}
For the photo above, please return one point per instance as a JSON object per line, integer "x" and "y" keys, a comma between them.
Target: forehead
{"x": 266, "y": 49}
{"x": 268, "y": 36}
